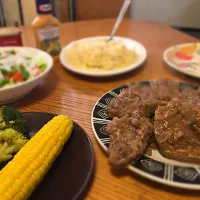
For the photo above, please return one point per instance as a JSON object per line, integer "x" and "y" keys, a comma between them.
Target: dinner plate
{"x": 72, "y": 172}
{"x": 130, "y": 44}
{"x": 184, "y": 58}
{"x": 154, "y": 167}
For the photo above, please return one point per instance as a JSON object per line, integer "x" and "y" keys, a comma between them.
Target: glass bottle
{"x": 46, "y": 28}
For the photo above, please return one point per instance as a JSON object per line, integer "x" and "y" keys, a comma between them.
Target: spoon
{"x": 119, "y": 18}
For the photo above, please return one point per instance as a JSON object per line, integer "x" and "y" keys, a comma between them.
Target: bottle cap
{"x": 43, "y": 6}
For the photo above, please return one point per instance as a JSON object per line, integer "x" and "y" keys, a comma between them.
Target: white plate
{"x": 184, "y": 61}
{"x": 155, "y": 167}
{"x": 131, "y": 44}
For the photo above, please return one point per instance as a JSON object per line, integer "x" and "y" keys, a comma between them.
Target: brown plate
{"x": 72, "y": 172}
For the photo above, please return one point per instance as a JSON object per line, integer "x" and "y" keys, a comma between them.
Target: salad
{"x": 17, "y": 66}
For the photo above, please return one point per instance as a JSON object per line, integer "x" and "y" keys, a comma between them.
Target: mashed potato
{"x": 97, "y": 55}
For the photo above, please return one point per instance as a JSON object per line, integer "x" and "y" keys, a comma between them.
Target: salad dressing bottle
{"x": 46, "y": 29}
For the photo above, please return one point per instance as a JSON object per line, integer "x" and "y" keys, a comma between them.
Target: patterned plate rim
{"x": 141, "y": 172}
{"x": 190, "y": 73}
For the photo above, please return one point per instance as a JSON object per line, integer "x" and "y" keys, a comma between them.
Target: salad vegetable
{"x": 17, "y": 67}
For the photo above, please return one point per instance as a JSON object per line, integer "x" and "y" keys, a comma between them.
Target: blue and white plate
{"x": 154, "y": 167}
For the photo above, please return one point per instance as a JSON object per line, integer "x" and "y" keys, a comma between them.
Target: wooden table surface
{"x": 66, "y": 93}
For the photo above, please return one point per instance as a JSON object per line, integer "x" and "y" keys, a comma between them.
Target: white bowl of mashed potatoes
{"x": 95, "y": 57}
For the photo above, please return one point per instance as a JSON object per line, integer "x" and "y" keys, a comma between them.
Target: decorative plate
{"x": 154, "y": 167}
{"x": 129, "y": 43}
{"x": 184, "y": 58}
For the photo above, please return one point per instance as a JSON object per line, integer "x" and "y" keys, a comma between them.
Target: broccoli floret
{"x": 11, "y": 118}
{"x": 2, "y": 122}
{"x": 3, "y": 125}
{"x": 1, "y": 116}
{"x": 11, "y": 142}
{"x": 10, "y": 114}
{"x": 6, "y": 152}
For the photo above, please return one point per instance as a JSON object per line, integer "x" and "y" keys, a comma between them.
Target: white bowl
{"x": 130, "y": 44}
{"x": 14, "y": 92}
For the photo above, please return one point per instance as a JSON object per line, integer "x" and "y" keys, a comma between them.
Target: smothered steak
{"x": 129, "y": 137}
{"x": 177, "y": 131}
{"x": 176, "y": 122}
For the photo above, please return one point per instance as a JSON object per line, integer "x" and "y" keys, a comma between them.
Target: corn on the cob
{"x": 23, "y": 173}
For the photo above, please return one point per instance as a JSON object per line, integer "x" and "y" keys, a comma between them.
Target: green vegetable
{"x": 12, "y": 52}
{"x": 11, "y": 141}
{"x": 25, "y": 73}
{"x": 28, "y": 58}
{"x": 4, "y": 72}
{"x": 11, "y": 118}
{"x": 13, "y": 70}
{"x": 13, "y": 132}
{"x": 3, "y": 82}
{"x": 8, "y": 73}
{"x": 42, "y": 66}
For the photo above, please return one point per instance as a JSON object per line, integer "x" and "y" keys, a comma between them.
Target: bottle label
{"x": 49, "y": 39}
{"x": 43, "y": 6}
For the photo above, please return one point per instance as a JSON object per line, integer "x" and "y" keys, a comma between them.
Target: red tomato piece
{"x": 182, "y": 56}
{"x": 17, "y": 76}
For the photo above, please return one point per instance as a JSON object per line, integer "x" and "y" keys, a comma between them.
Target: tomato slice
{"x": 182, "y": 56}
{"x": 17, "y": 76}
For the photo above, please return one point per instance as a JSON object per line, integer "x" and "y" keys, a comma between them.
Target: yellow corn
{"x": 24, "y": 172}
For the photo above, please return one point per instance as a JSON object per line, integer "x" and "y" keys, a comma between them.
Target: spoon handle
{"x": 120, "y": 17}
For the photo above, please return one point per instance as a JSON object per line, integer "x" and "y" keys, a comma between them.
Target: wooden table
{"x": 75, "y": 96}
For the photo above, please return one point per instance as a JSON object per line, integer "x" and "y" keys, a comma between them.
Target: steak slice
{"x": 129, "y": 137}
{"x": 131, "y": 98}
{"x": 149, "y": 97}
{"x": 177, "y": 131}
{"x": 165, "y": 89}
{"x": 124, "y": 104}
{"x": 191, "y": 95}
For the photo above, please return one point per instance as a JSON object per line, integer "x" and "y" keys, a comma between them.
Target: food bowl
{"x": 19, "y": 89}
{"x": 130, "y": 44}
